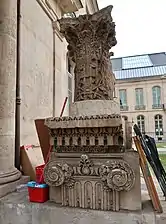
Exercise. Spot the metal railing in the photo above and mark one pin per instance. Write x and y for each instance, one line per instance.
(140, 107)
(124, 108)
(157, 106)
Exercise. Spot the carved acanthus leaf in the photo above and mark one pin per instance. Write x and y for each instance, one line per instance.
(116, 175)
(90, 38)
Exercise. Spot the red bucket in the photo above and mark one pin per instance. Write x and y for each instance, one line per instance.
(38, 192)
(39, 174)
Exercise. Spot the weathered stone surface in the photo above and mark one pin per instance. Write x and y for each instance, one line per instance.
(113, 120)
(93, 107)
(15, 208)
(10, 187)
(132, 199)
(90, 168)
(90, 38)
(36, 68)
(127, 134)
(8, 28)
(97, 181)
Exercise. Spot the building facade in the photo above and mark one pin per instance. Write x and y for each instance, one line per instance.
(46, 70)
(34, 74)
(141, 88)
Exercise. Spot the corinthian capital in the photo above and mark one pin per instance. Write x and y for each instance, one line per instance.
(90, 38)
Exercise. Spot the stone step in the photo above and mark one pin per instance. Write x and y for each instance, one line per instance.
(16, 209)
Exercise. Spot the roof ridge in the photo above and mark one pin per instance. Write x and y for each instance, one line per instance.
(150, 66)
(150, 71)
(137, 55)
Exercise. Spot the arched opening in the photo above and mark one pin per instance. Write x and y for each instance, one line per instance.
(159, 126)
(125, 118)
(141, 123)
(70, 80)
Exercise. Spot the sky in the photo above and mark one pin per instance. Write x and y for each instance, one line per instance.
(140, 26)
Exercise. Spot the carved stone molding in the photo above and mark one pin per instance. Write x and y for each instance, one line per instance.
(85, 165)
(78, 118)
(90, 38)
(90, 149)
(100, 131)
(117, 175)
(98, 121)
(58, 174)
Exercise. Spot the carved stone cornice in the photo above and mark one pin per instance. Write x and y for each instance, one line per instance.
(48, 9)
(90, 38)
(113, 120)
(90, 149)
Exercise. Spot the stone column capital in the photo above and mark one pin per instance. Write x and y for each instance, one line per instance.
(90, 38)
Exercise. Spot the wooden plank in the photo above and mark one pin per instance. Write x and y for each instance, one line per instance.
(147, 176)
(43, 135)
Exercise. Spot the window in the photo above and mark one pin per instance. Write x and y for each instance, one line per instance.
(70, 15)
(125, 118)
(70, 89)
(156, 93)
(141, 123)
(70, 81)
(87, 10)
(123, 99)
(158, 125)
(139, 96)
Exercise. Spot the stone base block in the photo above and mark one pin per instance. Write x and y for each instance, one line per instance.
(109, 181)
(93, 107)
(7, 177)
(10, 187)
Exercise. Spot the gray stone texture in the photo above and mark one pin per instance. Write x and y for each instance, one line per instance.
(90, 37)
(127, 199)
(93, 107)
(16, 209)
(8, 27)
(36, 68)
(10, 187)
(90, 168)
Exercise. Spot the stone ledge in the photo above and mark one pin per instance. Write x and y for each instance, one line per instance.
(10, 187)
(15, 208)
(84, 121)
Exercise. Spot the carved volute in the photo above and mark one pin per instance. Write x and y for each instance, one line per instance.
(90, 38)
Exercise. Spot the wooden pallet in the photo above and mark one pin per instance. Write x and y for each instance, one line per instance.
(147, 176)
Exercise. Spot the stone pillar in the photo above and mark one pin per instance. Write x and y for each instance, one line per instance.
(8, 32)
(90, 38)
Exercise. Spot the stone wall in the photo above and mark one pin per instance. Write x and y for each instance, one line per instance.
(39, 41)
(37, 69)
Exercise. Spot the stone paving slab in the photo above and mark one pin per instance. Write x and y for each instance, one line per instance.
(16, 209)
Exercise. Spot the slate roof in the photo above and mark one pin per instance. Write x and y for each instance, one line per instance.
(139, 66)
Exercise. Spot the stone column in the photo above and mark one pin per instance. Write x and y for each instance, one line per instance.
(8, 32)
(90, 38)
